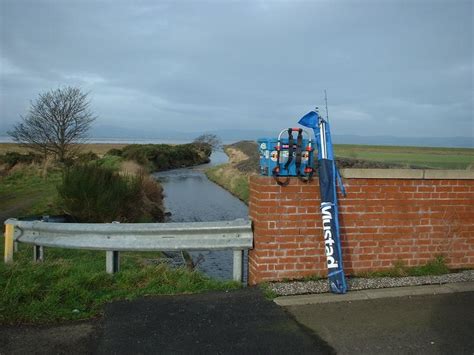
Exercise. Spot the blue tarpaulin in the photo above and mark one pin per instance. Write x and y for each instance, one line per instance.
(328, 178)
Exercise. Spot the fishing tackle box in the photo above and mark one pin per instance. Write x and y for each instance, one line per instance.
(287, 156)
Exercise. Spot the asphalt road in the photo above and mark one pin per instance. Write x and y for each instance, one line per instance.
(430, 324)
(238, 322)
(243, 321)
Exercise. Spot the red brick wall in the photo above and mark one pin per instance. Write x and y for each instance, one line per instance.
(382, 221)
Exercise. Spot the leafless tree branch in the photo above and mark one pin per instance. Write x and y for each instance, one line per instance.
(55, 122)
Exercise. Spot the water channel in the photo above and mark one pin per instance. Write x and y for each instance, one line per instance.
(191, 197)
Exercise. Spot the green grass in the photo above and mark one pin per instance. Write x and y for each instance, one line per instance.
(399, 269)
(73, 284)
(26, 192)
(268, 293)
(111, 162)
(422, 157)
(237, 185)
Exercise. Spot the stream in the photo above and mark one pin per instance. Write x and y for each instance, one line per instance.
(191, 197)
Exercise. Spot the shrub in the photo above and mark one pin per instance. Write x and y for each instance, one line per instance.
(112, 162)
(114, 152)
(93, 193)
(164, 156)
(84, 158)
(152, 198)
(10, 159)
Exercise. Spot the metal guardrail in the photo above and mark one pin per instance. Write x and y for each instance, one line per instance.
(115, 237)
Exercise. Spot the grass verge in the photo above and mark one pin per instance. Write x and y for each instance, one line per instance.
(73, 284)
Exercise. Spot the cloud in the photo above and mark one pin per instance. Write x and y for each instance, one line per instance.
(8, 68)
(245, 64)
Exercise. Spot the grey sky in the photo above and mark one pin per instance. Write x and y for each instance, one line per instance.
(401, 68)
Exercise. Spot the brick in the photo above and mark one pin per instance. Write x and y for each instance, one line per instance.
(382, 221)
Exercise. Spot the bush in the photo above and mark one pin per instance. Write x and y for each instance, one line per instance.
(10, 159)
(84, 158)
(93, 193)
(112, 162)
(114, 152)
(164, 156)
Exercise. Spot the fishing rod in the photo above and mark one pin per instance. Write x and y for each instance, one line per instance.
(328, 182)
(326, 100)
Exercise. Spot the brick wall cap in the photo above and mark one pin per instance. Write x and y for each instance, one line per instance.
(449, 174)
(406, 174)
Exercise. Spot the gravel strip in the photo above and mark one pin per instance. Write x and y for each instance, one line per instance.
(321, 286)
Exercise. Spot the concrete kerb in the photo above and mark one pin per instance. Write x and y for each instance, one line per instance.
(286, 301)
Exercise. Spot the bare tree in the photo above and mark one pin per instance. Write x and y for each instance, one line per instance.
(56, 121)
(210, 140)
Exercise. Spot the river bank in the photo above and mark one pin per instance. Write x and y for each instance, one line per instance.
(72, 284)
(233, 175)
(28, 182)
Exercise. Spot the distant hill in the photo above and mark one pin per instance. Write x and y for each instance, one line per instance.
(235, 135)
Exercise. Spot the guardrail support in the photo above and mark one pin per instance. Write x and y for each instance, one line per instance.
(9, 233)
(112, 263)
(237, 267)
(38, 253)
(113, 238)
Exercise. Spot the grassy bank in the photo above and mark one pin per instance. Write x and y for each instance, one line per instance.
(233, 176)
(73, 285)
(230, 179)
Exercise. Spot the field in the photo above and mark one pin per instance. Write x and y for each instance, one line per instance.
(416, 157)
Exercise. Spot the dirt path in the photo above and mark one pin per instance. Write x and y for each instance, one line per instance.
(15, 207)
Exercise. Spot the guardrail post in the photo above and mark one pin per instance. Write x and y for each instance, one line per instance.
(112, 263)
(9, 236)
(237, 267)
(38, 253)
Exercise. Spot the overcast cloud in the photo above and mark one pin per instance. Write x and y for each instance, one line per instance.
(402, 68)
